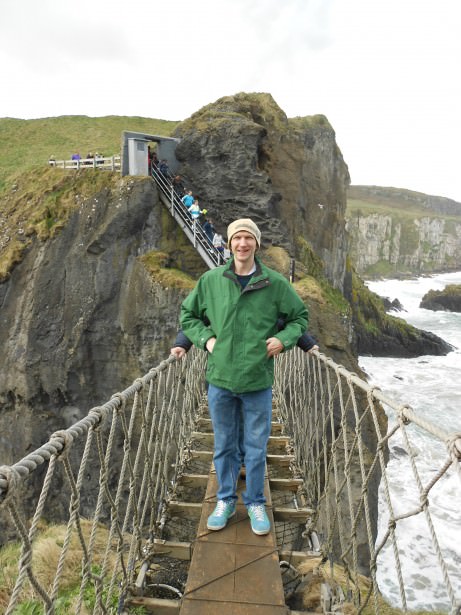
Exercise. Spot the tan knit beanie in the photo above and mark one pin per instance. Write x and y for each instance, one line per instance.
(244, 224)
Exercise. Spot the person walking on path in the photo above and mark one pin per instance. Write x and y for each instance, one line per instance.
(178, 186)
(188, 199)
(208, 227)
(242, 301)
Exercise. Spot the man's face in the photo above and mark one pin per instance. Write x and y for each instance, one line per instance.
(243, 246)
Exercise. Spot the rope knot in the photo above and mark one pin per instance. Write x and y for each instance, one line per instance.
(68, 440)
(9, 479)
(401, 414)
(453, 443)
(139, 382)
(423, 500)
(371, 393)
(119, 399)
(100, 414)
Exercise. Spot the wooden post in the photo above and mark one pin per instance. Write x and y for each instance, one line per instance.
(292, 270)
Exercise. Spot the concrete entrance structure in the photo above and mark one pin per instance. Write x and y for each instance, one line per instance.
(134, 148)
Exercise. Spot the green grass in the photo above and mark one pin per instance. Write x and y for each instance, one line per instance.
(46, 553)
(397, 209)
(36, 199)
(38, 202)
(155, 262)
(380, 269)
(28, 144)
(359, 208)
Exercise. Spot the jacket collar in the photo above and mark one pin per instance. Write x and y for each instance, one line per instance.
(230, 266)
(260, 275)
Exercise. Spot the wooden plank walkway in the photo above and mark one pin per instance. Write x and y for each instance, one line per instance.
(233, 571)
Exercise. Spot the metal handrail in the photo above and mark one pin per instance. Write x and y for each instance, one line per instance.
(180, 213)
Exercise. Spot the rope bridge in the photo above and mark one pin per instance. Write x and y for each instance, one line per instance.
(144, 442)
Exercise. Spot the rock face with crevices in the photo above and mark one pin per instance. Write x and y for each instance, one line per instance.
(244, 158)
(400, 233)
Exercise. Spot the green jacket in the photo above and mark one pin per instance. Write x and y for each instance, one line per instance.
(241, 321)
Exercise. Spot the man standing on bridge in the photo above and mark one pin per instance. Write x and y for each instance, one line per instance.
(242, 301)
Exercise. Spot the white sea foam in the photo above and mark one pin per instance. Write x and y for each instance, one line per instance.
(431, 386)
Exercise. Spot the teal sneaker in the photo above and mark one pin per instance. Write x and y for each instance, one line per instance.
(260, 523)
(225, 509)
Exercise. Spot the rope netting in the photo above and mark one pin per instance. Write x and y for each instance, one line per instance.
(139, 444)
(342, 430)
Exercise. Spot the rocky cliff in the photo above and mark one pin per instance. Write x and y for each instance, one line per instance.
(82, 316)
(68, 329)
(244, 158)
(397, 232)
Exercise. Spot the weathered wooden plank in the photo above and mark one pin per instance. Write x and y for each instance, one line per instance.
(280, 460)
(276, 460)
(276, 427)
(184, 509)
(202, 455)
(194, 480)
(203, 437)
(293, 515)
(275, 442)
(155, 605)
(206, 607)
(206, 425)
(178, 550)
(279, 441)
(285, 484)
(298, 557)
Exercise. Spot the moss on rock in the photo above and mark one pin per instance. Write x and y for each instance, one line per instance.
(448, 299)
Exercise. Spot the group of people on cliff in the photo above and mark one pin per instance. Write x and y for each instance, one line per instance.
(156, 165)
(199, 216)
(88, 161)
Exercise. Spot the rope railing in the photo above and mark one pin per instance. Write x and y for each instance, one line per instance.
(341, 440)
(136, 447)
(137, 443)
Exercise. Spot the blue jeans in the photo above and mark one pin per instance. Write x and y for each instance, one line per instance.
(227, 410)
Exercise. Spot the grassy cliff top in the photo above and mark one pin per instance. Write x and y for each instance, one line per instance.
(27, 144)
(368, 200)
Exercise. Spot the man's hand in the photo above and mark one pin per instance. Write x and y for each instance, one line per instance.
(210, 344)
(312, 349)
(178, 352)
(274, 346)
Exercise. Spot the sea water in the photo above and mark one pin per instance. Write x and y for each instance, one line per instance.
(431, 386)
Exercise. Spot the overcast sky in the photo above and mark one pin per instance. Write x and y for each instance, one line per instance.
(386, 73)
